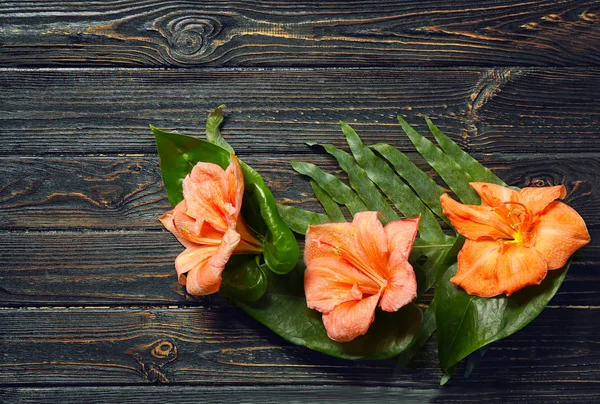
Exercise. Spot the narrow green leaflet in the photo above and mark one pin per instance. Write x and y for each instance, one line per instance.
(403, 198)
(471, 166)
(334, 213)
(426, 189)
(362, 185)
(466, 323)
(213, 132)
(450, 171)
(339, 192)
(180, 153)
(283, 310)
(299, 219)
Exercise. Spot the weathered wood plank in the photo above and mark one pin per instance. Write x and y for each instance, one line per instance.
(107, 111)
(296, 394)
(305, 33)
(207, 346)
(116, 268)
(127, 192)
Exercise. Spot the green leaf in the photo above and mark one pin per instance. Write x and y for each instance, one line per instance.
(466, 323)
(440, 256)
(425, 188)
(362, 185)
(425, 332)
(180, 153)
(471, 166)
(299, 219)
(339, 192)
(334, 213)
(283, 310)
(452, 173)
(243, 279)
(213, 133)
(403, 198)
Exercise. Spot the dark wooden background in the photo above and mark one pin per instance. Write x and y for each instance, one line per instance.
(89, 304)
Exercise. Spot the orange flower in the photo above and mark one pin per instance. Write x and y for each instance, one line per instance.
(513, 237)
(208, 223)
(353, 267)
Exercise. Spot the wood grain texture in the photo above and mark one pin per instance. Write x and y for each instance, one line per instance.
(107, 111)
(116, 267)
(303, 33)
(222, 346)
(493, 394)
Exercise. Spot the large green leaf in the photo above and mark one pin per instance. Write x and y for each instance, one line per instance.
(283, 310)
(180, 153)
(466, 323)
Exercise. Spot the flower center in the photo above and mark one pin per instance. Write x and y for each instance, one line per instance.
(518, 217)
(358, 263)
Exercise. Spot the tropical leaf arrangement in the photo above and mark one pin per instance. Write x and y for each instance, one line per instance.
(339, 300)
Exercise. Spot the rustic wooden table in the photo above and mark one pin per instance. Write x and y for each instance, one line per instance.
(90, 307)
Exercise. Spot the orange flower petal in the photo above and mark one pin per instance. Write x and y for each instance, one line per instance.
(519, 267)
(167, 221)
(329, 282)
(401, 235)
(195, 231)
(206, 192)
(477, 263)
(370, 241)
(492, 194)
(538, 198)
(234, 185)
(475, 222)
(205, 276)
(350, 319)
(402, 283)
(192, 258)
(559, 233)
(323, 240)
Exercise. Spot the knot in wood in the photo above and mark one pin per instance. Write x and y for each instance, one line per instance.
(163, 349)
(190, 38)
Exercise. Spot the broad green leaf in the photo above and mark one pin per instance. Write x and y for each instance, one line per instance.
(440, 256)
(425, 332)
(283, 310)
(362, 185)
(299, 219)
(473, 167)
(466, 323)
(452, 173)
(213, 133)
(180, 153)
(334, 213)
(401, 196)
(339, 192)
(243, 278)
(426, 189)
